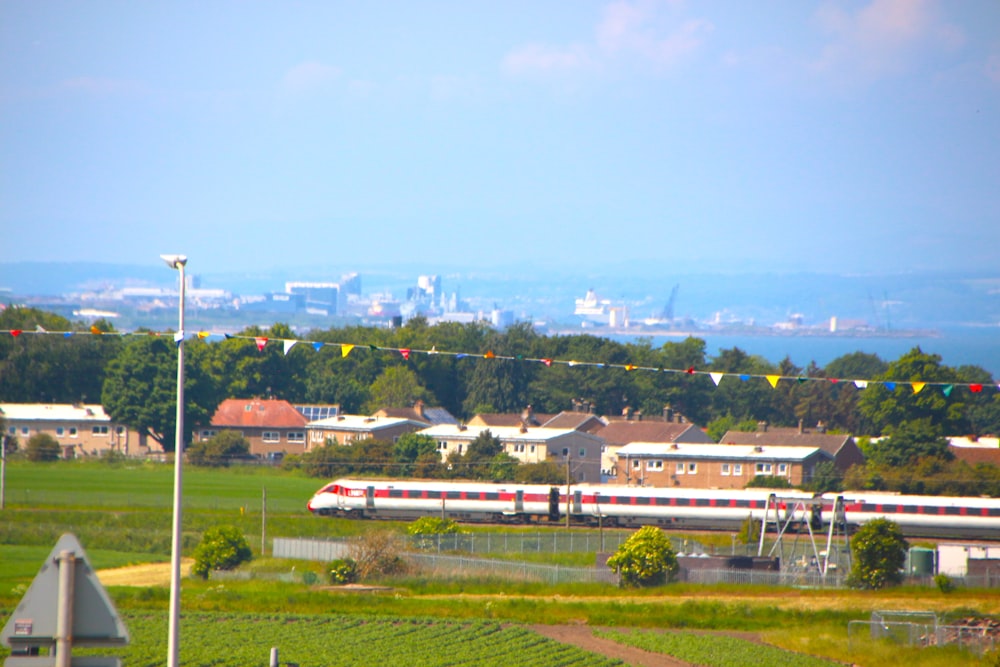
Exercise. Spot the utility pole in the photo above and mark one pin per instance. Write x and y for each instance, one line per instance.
(263, 522)
(568, 482)
(3, 470)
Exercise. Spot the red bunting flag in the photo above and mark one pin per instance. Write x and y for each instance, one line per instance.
(489, 354)
(630, 367)
(15, 332)
(405, 352)
(547, 362)
(94, 330)
(975, 388)
(261, 342)
(690, 370)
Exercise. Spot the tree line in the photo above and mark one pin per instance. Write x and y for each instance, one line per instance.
(134, 378)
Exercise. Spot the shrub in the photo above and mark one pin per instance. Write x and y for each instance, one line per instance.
(219, 450)
(221, 548)
(645, 559)
(432, 525)
(944, 583)
(879, 552)
(43, 447)
(343, 571)
(377, 553)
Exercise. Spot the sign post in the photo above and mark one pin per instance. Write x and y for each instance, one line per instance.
(65, 606)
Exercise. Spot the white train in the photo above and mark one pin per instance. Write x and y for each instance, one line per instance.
(700, 509)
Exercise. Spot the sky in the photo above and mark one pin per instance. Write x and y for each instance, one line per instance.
(841, 136)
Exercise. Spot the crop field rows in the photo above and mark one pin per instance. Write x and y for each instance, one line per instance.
(239, 640)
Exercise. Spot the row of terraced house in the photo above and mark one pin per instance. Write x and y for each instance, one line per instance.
(631, 450)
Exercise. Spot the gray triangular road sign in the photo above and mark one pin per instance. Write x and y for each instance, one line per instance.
(95, 620)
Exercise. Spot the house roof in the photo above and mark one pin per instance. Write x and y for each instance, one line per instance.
(362, 423)
(257, 413)
(828, 442)
(976, 455)
(727, 452)
(421, 414)
(578, 421)
(53, 412)
(508, 419)
(503, 433)
(623, 432)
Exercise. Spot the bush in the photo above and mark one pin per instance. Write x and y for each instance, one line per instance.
(645, 559)
(221, 548)
(377, 553)
(879, 552)
(343, 571)
(432, 525)
(944, 583)
(43, 447)
(219, 450)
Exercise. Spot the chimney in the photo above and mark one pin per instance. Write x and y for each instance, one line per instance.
(801, 430)
(668, 413)
(528, 415)
(418, 408)
(762, 426)
(821, 426)
(638, 415)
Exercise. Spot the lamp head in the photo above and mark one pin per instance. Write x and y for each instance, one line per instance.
(174, 261)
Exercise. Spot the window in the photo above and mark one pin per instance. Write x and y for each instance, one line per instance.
(459, 448)
(207, 434)
(679, 469)
(737, 468)
(297, 436)
(519, 447)
(120, 430)
(25, 430)
(692, 468)
(12, 430)
(270, 436)
(654, 464)
(442, 445)
(532, 449)
(636, 464)
(565, 451)
(764, 469)
(782, 468)
(583, 453)
(72, 431)
(98, 430)
(316, 436)
(60, 430)
(725, 469)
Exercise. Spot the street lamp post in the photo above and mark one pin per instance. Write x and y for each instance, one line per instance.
(173, 633)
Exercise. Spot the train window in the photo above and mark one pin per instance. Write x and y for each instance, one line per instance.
(434, 495)
(453, 495)
(953, 511)
(491, 495)
(642, 500)
(396, 493)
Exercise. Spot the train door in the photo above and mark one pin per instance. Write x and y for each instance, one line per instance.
(577, 502)
(370, 498)
(519, 501)
(553, 504)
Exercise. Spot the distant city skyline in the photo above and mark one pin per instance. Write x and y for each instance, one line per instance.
(839, 136)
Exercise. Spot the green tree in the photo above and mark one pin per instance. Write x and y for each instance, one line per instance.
(433, 525)
(411, 447)
(221, 548)
(43, 447)
(219, 450)
(646, 558)
(826, 477)
(396, 387)
(769, 482)
(140, 388)
(908, 443)
(878, 552)
(543, 472)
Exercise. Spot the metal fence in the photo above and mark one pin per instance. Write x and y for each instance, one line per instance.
(763, 578)
(461, 566)
(922, 634)
(304, 549)
(534, 542)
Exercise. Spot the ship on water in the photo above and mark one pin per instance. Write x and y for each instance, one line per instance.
(595, 311)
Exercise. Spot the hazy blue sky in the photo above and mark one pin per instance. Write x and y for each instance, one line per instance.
(838, 136)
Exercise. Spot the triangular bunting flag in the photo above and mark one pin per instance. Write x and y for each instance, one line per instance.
(975, 388)
(947, 389)
(433, 350)
(773, 380)
(861, 384)
(317, 346)
(489, 354)
(289, 344)
(67, 334)
(716, 378)
(406, 353)
(918, 387)
(203, 335)
(261, 342)
(547, 362)
(891, 386)
(15, 332)
(373, 348)
(690, 370)
(94, 330)
(461, 355)
(744, 377)
(572, 363)
(227, 336)
(800, 379)
(178, 337)
(345, 350)
(630, 367)
(834, 380)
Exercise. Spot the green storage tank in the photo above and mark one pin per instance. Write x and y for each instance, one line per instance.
(921, 562)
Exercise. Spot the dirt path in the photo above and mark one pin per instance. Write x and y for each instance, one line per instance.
(583, 637)
(148, 574)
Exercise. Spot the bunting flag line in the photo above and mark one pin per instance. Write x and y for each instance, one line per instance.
(915, 385)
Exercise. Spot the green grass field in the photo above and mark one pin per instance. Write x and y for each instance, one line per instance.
(122, 516)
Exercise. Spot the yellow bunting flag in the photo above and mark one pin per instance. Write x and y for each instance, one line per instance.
(345, 350)
(917, 386)
(94, 330)
(203, 335)
(773, 379)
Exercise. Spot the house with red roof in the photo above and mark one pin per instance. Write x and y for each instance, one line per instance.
(271, 426)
